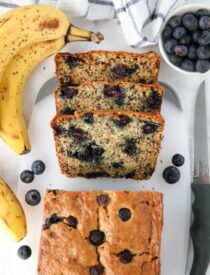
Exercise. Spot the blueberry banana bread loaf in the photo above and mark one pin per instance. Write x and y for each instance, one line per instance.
(74, 69)
(108, 144)
(92, 96)
(96, 233)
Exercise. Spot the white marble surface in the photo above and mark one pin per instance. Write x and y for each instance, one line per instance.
(186, 87)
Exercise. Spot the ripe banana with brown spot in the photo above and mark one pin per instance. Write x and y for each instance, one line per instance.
(29, 34)
(12, 217)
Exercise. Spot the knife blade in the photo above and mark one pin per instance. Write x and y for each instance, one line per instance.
(200, 228)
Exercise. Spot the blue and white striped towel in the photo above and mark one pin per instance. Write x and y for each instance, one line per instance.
(141, 20)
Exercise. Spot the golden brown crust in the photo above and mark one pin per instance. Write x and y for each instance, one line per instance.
(114, 114)
(154, 71)
(66, 250)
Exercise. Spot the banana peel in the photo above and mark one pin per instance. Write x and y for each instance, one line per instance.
(12, 217)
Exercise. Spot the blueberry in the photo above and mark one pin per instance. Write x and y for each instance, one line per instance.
(24, 252)
(181, 50)
(204, 22)
(149, 128)
(176, 60)
(38, 167)
(130, 175)
(130, 147)
(27, 176)
(178, 160)
(33, 197)
(52, 220)
(125, 256)
(88, 118)
(154, 101)
(185, 40)
(78, 134)
(203, 52)
(117, 165)
(190, 22)
(96, 237)
(121, 70)
(67, 92)
(195, 36)
(122, 121)
(179, 32)
(67, 111)
(167, 32)
(188, 65)
(58, 129)
(192, 52)
(202, 12)
(73, 61)
(103, 199)
(202, 66)
(171, 174)
(72, 221)
(116, 92)
(175, 21)
(90, 153)
(169, 45)
(96, 270)
(204, 38)
(124, 214)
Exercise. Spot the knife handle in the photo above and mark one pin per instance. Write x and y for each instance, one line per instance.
(200, 229)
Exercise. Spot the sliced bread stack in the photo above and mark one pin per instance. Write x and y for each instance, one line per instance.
(108, 121)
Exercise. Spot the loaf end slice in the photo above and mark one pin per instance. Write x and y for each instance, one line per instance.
(92, 96)
(116, 144)
(71, 220)
(111, 66)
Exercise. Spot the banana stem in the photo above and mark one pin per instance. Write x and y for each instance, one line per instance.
(77, 34)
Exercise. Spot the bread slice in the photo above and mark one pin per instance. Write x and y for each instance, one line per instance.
(74, 69)
(112, 144)
(92, 96)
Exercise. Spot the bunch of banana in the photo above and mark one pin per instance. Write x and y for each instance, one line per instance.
(29, 34)
(12, 217)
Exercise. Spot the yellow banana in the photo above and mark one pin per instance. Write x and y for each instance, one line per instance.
(12, 217)
(13, 129)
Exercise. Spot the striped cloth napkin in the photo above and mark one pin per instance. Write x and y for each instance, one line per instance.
(141, 20)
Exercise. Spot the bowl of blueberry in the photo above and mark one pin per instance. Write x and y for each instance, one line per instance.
(185, 39)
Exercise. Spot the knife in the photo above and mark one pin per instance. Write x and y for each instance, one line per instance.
(200, 228)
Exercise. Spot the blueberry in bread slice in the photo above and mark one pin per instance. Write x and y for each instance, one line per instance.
(101, 232)
(112, 144)
(111, 66)
(92, 96)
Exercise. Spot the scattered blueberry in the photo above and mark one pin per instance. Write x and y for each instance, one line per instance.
(203, 52)
(176, 60)
(103, 199)
(122, 121)
(72, 221)
(58, 129)
(178, 160)
(167, 32)
(185, 40)
(88, 118)
(24, 252)
(116, 92)
(121, 70)
(190, 22)
(171, 174)
(202, 66)
(54, 218)
(38, 167)
(78, 134)
(154, 101)
(96, 237)
(188, 65)
(169, 45)
(68, 92)
(90, 153)
(73, 61)
(175, 21)
(179, 32)
(27, 176)
(181, 50)
(124, 214)
(117, 165)
(192, 52)
(96, 270)
(204, 38)
(67, 111)
(125, 256)
(204, 22)
(33, 197)
(130, 175)
(130, 147)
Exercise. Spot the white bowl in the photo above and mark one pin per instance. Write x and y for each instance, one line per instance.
(181, 10)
